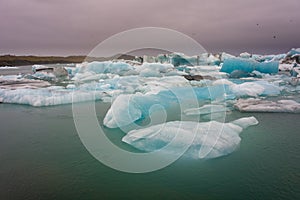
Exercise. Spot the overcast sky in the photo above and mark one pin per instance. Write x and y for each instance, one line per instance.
(72, 27)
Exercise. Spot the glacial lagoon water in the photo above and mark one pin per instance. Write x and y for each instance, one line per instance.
(42, 157)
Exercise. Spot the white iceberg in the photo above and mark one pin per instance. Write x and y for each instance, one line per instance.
(14, 82)
(120, 68)
(207, 109)
(123, 112)
(258, 105)
(8, 67)
(49, 96)
(209, 139)
(56, 73)
(256, 88)
(225, 56)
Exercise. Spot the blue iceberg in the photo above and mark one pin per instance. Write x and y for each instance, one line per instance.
(249, 65)
(127, 109)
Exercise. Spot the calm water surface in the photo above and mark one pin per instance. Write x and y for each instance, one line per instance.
(42, 157)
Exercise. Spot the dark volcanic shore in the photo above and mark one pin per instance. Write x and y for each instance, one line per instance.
(12, 60)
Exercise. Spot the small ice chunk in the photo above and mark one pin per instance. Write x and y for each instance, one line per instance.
(245, 55)
(178, 59)
(222, 82)
(286, 67)
(9, 67)
(57, 73)
(46, 76)
(225, 56)
(206, 109)
(35, 68)
(245, 122)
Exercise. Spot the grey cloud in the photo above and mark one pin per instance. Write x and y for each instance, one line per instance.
(75, 26)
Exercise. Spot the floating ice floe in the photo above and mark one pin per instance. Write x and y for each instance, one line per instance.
(154, 69)
(49, 96)
(254, 89)
(245, 55)
(206, 140)
(138, 106)
(258, 105)
(14, 82)
(8, 67)
(263, 58)
(248, 65)
(52, 74)
(225, 56)
(207, 109)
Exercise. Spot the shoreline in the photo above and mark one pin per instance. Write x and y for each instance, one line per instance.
(13, 60)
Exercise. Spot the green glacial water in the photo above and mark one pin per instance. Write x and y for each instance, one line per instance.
(42, 157)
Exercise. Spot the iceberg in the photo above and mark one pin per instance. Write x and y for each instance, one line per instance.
(122, 114)
(163, 58)
(109, 79)
(295, 72)
(239, 74)
(36, 68)
(249, 65)
(208, 59)
(293, 52)
(41, 72)
(14, 82)
(258, 105)
(154, 69)
(46, 76)
(178, 59)
(209, 139)
(286, 67)
(54, 95)
(207, 109)
(245, 55)
(225, 56)
(263, 58)
(254, 89)
(120, 68)
(8, 67)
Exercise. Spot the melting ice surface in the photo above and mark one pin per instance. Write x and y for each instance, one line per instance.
(208, 86)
